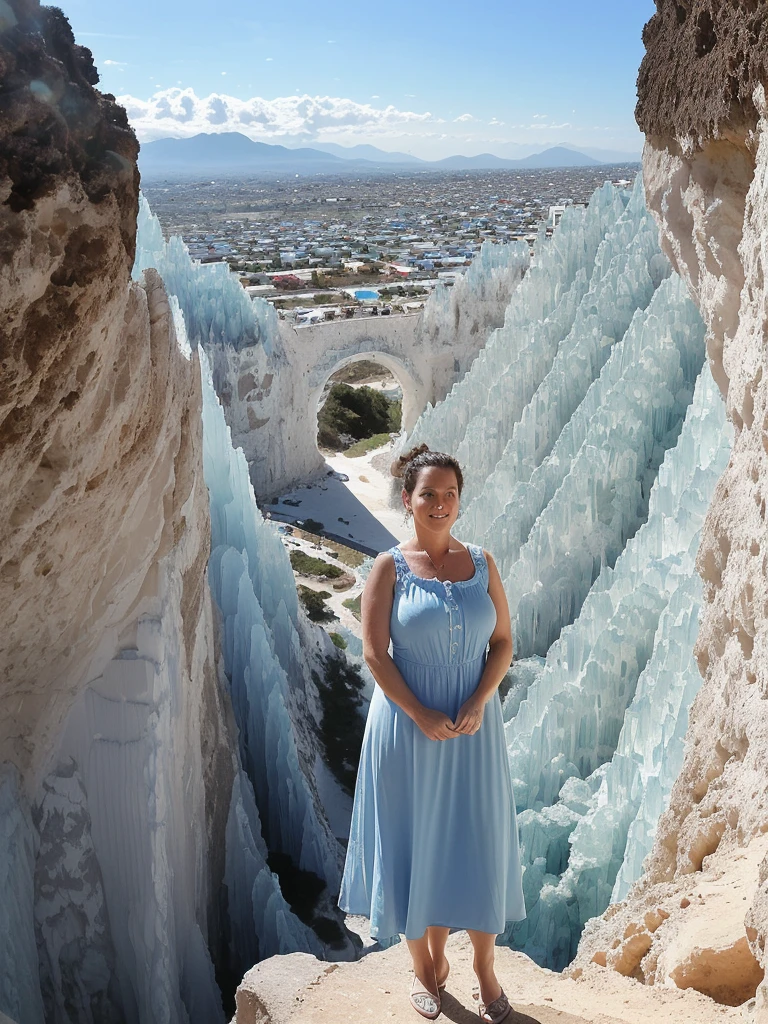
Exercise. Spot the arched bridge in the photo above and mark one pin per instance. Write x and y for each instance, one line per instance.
(271, 398)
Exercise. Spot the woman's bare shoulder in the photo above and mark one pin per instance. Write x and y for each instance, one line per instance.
(383, 569)
(493, 571)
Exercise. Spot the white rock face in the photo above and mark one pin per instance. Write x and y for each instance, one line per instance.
(109, 653)
(712, 204)
(270, 375)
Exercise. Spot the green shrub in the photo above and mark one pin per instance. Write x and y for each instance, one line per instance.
(342, 725)
(357, 412)
(314, 603)
(338, 640)
(353, 604)
(309, 566)
(395, 415)
(368, 445)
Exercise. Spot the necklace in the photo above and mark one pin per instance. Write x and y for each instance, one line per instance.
(437, 568)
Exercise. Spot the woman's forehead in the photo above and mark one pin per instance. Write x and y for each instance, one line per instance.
(436, 476)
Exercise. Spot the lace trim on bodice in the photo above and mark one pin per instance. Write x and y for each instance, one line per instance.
(481, 569)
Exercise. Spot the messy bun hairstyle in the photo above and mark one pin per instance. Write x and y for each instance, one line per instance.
(420, 457)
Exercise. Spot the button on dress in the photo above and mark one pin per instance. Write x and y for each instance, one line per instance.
(433, 838)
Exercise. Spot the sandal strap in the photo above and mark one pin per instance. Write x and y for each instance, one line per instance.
(497, 1009)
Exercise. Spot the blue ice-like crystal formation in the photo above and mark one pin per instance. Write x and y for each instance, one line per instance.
(253, 586)
(592, 440)
(597, 741)
(216, 307)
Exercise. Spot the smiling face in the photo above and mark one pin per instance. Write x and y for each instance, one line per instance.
(435, 499)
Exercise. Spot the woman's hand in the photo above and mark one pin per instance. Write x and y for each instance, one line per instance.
(470, 717)
(434, 724)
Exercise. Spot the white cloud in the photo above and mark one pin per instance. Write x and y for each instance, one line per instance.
(494, 122)
(544, 126)
(180, 112)
(115, 64)
(464, 117)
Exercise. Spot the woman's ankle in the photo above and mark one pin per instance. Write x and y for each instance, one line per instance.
(424, 969)
(490, 988)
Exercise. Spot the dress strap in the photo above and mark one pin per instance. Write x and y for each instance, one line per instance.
(401, 566)
(481, 563)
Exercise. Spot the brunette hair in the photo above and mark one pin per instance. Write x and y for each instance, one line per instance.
(420, 457)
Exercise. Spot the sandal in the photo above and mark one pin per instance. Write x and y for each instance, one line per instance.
(423, 1001)
(496, 1011)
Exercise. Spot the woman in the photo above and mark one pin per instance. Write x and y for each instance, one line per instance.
(433, 841)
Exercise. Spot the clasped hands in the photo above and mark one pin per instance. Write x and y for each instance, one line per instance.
(438, 726)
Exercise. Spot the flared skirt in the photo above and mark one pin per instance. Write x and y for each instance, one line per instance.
(433, 839)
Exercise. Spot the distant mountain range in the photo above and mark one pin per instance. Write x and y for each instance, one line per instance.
(227, 153)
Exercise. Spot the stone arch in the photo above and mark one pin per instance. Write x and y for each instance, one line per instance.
(271, 397)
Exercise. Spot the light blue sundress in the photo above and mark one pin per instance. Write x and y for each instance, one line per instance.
(433, 839)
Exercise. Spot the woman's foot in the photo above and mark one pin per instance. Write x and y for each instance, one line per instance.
(423, 1000)
(495, 1012)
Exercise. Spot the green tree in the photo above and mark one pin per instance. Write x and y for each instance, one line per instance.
(357, 412)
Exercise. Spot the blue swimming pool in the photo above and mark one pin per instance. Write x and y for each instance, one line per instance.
(366, 293)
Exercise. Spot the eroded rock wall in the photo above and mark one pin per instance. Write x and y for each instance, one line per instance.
(702, 105)
(116, 760)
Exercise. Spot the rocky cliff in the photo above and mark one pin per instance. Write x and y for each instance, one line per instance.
(115, 764)
(699, 916)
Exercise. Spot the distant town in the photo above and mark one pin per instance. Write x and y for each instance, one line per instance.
(321, 247)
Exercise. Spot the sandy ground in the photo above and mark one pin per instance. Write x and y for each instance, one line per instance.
(373, 488)
(356, 512)
(301, 990)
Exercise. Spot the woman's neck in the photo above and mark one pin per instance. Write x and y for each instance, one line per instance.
(434, 543)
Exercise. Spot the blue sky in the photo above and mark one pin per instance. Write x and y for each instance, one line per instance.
(432, 78)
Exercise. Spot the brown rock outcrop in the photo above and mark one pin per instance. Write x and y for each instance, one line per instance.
(704, 59)
(82, 421)
(299, 989)
(702, 105)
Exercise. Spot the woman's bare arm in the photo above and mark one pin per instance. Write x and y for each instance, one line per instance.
(470, 716)
(376, 609)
